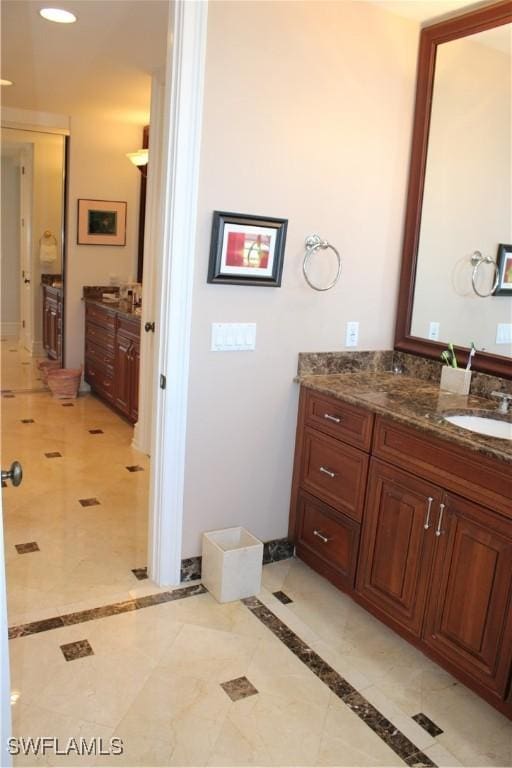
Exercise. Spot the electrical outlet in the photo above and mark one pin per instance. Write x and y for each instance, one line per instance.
(433, 331)
(352, 334)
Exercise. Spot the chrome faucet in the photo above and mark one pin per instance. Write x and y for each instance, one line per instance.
(504, 398)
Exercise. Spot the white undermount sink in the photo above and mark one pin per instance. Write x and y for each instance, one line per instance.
(483, 425)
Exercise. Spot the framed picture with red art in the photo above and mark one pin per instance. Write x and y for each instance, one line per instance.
(504, 265)
(247, 250)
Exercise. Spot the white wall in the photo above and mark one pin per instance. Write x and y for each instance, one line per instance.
(467, 202)
(98, 170)
(10, 249)
(308, 114)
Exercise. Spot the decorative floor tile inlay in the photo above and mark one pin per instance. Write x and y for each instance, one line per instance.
(190, 569)
(277, 549)
(10, 396)
(53, 455)
(88, 502)
(79, 617)
(68, 405)
(96, 431)
(239, 688)
(428, 724)
(395, 739)
(77, 650)
(27, 421)
(282, 597)
(135, 468)
(30, 546)
(140, 573)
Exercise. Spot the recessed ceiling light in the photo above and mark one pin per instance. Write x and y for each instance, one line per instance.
(58, 15)
(6, 82)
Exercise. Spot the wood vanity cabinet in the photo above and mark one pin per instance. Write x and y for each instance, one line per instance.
(435, 556)
(112, 344)
(331, 466)
(52, 321)
(439, 567)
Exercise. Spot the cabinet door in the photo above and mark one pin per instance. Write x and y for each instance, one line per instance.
(469, 619)
(397, 545)
(134, 381)
(46, 324)
(122, 384)
(53, 330)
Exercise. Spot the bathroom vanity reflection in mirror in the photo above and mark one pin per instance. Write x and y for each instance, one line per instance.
(33, 208)
(460, 190)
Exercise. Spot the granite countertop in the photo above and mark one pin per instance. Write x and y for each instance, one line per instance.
(120, 307)
(414, 402)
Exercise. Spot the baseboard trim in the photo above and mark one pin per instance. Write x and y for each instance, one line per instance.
(10, 330)
(37, 349)
(273, 551)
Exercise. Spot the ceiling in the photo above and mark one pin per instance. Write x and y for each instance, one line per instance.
(101, 64)
(427, 10)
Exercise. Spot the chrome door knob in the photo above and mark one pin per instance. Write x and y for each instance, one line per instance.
(14, 474)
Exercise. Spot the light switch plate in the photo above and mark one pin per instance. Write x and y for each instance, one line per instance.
(504, 333)
(233, 337)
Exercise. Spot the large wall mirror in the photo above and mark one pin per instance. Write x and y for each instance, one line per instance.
(32, 253)
(460, 192)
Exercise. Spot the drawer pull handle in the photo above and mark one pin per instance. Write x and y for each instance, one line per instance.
(336, 419)
(321, 536)
(327, 472)
(427, 518)
(439, 531)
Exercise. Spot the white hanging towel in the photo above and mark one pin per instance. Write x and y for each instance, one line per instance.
(48, 248)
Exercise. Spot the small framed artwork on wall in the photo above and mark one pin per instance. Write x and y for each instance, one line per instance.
(101, 222)
(504, 264)
(247, 250)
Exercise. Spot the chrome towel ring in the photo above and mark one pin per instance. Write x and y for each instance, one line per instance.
(477, 259)
(313, 243)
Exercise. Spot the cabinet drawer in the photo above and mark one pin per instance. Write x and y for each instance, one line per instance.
(468, 473)
(98, 356)
(334, 472)
(128, 327)
(100, 380)
(341, 420)
(97, 335)
(328, 536)
(101, 316)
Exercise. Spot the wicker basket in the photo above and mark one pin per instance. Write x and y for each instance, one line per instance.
(64, 382)
(45, 366)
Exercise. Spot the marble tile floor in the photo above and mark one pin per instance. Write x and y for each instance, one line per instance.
(77, 525)
(192, 682)
(153, 676)
(18, 368)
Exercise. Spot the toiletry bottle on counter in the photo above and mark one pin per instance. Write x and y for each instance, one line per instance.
(129, 300)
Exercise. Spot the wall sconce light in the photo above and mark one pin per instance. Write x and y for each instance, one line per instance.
(140, 159)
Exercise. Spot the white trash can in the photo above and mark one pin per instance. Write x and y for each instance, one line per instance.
(232, 563)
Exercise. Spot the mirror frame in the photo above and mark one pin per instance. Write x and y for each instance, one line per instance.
(460, 26)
